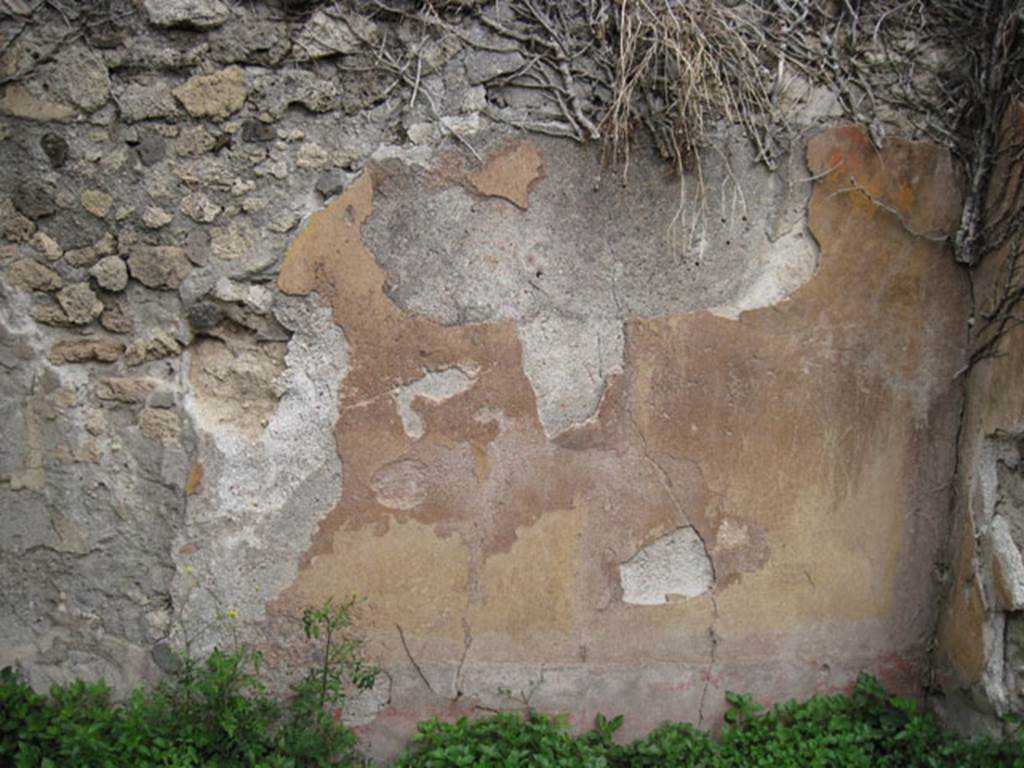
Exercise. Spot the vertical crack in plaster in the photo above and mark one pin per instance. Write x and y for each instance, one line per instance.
(435, 386)
(567, 362)
(467, 643)
(713, 637)
(412, 660)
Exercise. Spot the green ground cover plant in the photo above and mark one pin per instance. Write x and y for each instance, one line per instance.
(217, 713)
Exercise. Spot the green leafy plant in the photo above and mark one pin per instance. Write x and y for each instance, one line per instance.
(215, 713)
(313, 734)
(503, 740)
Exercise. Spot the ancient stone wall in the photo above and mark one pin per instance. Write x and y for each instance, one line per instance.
(980, 664)
(274, 329)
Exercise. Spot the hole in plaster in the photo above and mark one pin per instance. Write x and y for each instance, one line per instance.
(676, 565)
(233, 374)
(435, 387)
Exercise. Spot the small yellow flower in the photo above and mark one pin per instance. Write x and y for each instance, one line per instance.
(188, 569)
(232, 614)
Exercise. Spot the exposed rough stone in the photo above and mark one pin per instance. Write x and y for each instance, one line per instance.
(312, 155)
(422, 133)
(33, 276)
(86, 350)
(1008, 566)
(200, 14)
(483, 65)
(255, 297)
(145, 99)
(162, 266)
(49, 314)
(78, 75)
(34, 200)
(217, 96)
(251, 41)
(17, 101)
(116, 320)
(154, 217)
(111, 273)
(152, 347)
(194, 141)
(328, 35)
(234, 378)
(14, 226)
(86, 257)
(676, 565)
(124, 390)
(256, 131)
(55, 148)
(160, 424)
(197, 247)
(79, 303)
(162, 398)
(332, 183)
(275, 91)
(46, 246)
(199, 207)
(205, 315)
(151, 150)
(97, 202)
(229, 242)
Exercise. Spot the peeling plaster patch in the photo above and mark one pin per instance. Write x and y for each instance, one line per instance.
(790, 256)
(263, 495)
(568, 362)
(401, 484)
(510, 174)
(233, 376)
(435, 387)
(675, 565)
(589, 251)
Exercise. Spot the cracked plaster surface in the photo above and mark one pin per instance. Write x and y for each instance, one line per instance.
(781, 438)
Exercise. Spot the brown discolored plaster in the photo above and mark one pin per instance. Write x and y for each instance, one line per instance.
(792, 440)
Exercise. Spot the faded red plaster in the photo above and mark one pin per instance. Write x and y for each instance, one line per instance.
(808, 422)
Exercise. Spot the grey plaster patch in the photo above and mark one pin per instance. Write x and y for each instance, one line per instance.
(434, 386)
(591, 252)
(676, 565)
(262, 497)
(567, 362)
(590, 246)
